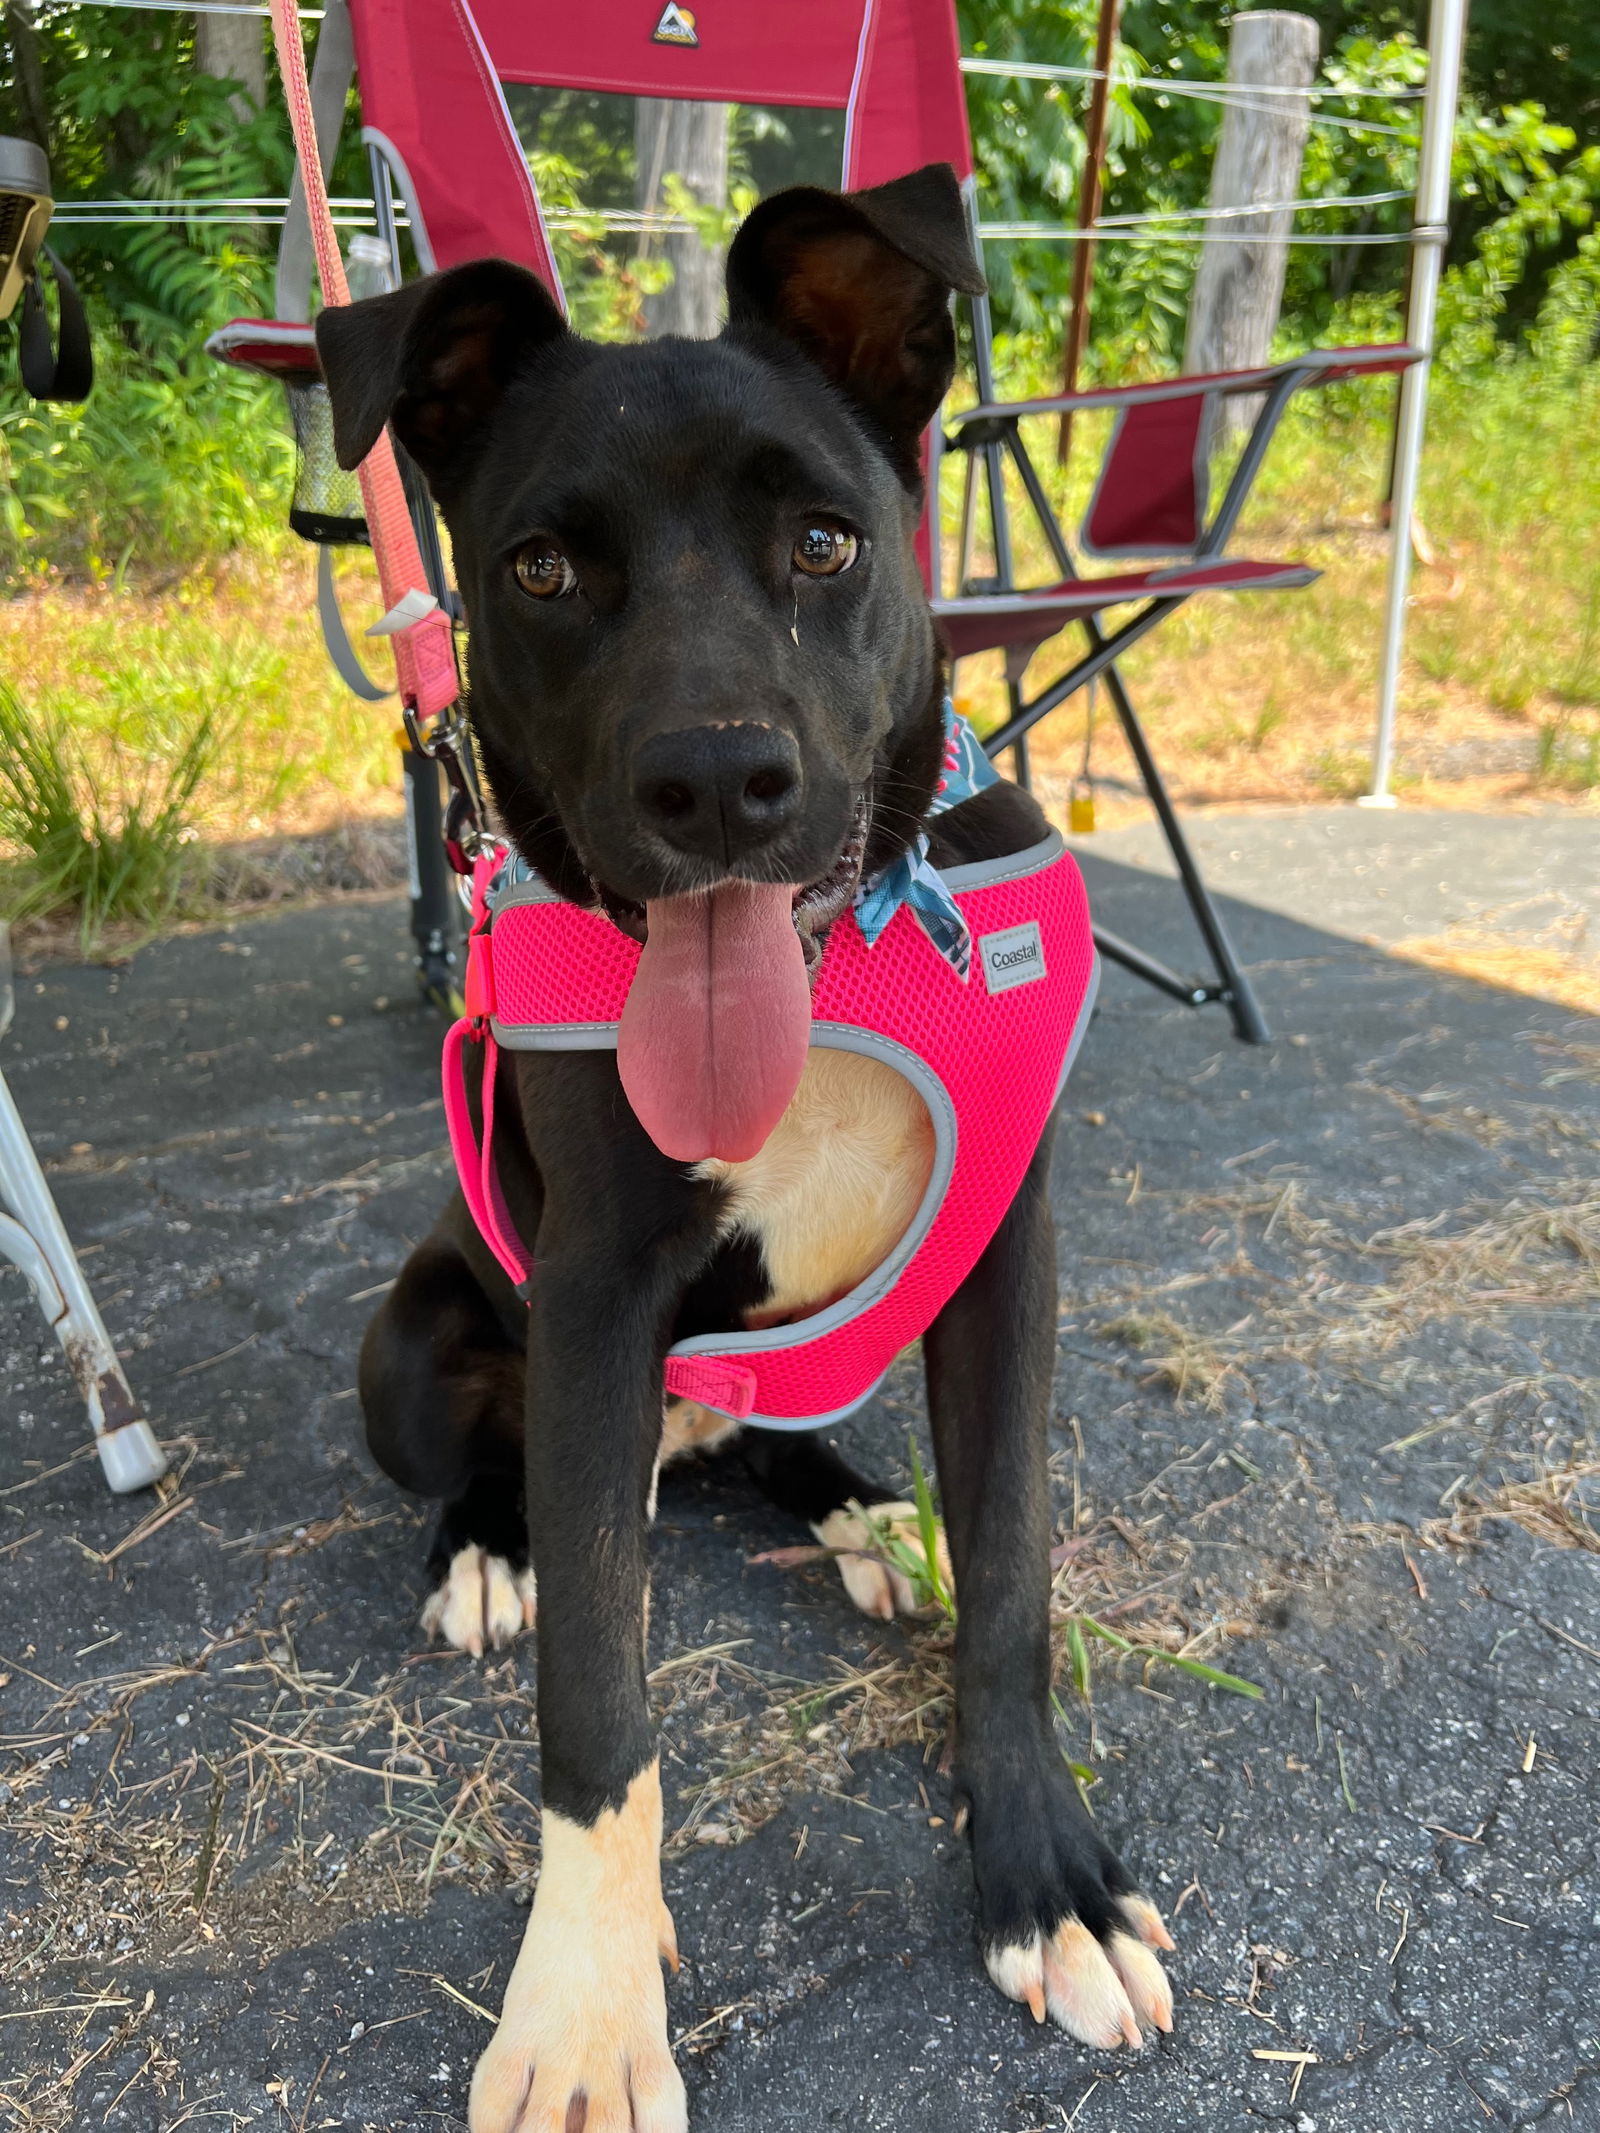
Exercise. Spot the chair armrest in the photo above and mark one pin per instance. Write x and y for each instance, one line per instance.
(1318, 366)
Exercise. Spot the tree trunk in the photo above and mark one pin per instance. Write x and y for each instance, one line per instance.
(692, 141)
(233, 48)
(1239, 288)
(27, 67)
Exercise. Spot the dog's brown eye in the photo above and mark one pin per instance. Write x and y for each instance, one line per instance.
(544, 571)
(824, 549)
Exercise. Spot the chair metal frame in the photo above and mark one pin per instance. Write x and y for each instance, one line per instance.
(989, 435)
(34, 1238)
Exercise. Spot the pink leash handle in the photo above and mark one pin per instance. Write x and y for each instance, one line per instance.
(424, 652)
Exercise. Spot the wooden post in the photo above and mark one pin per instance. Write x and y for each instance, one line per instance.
(1239, 288)
(690, 139)
(1094, 165)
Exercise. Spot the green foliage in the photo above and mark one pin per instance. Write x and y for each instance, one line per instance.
(172, 460)
(107, 846)
(1526, 263)
(175, 459)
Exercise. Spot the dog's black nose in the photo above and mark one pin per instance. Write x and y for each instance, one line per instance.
(722, 791)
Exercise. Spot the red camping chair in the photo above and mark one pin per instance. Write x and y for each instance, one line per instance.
(435, 117)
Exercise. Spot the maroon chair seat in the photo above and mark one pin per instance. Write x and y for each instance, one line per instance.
(983, 622)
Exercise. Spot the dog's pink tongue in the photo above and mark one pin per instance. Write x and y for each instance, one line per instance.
(718, 1018)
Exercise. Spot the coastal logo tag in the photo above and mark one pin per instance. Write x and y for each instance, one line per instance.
(675, 27)
(1014, 957)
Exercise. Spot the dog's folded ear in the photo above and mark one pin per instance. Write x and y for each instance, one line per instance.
(862, 282)
(433, 357)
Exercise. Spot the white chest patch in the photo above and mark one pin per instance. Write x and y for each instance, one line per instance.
(835, 1188)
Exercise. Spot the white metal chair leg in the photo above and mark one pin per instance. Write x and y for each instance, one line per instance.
(33, 1235)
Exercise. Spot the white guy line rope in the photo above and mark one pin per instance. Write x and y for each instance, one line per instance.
(1173, 84)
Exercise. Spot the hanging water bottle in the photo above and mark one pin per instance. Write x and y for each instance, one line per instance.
(369, 267)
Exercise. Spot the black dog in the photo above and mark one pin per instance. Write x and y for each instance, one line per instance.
(701, 651)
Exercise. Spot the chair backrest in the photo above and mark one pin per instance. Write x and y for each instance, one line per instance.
(1151, 495)
(430, 73)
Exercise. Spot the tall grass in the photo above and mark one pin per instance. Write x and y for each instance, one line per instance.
(105, 842)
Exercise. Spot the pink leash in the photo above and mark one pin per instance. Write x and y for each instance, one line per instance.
(424, 652)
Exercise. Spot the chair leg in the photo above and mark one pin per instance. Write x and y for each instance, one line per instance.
(1234, 988)
(34, 1237)
(1021, 766)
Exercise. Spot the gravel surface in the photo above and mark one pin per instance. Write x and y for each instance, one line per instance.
(1329, 1357)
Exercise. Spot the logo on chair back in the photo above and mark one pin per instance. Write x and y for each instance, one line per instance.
(675, 27)
(1014, 957)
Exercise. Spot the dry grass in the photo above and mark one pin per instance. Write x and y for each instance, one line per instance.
(1177, 1356)
(130, 668)
(1254, 700)
(770, 1736)
(1569, 977)
(1557, 1508)
(1359, 1295)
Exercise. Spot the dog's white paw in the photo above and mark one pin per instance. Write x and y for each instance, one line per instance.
(483, 1604)
(1098, 1993)
(876, 1583)
(582, 2040)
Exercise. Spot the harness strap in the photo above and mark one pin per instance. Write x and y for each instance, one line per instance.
(710, 1381)
(424, 652)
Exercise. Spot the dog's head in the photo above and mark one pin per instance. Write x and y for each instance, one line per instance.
(700, 652)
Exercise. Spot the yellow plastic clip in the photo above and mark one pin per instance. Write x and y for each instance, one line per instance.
(1080, 808)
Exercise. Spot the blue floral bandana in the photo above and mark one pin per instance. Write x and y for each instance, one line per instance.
(912, 879)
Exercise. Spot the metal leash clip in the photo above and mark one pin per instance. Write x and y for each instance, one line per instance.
(448, 744)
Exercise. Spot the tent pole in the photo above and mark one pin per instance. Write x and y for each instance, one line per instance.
(1430, 233)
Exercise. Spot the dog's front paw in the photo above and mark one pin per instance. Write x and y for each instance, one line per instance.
(882, 1561)
(582, 2041)
(482, 1604)
(1064, 1931)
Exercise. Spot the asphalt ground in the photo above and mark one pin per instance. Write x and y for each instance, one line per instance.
(1326, 1407)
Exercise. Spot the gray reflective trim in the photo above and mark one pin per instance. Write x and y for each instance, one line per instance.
(794, 1422)
(535, 890)
(554, 1036)
(1080, 1028)
(976, 874)
(1015, 866)
(840, 1037)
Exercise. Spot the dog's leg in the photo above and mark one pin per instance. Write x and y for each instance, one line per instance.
(584, 2015)
(805, 1476)
(1061, 1924)
(442, 1392)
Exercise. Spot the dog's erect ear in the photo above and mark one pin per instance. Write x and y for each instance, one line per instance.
(862, 282)
(433, 357)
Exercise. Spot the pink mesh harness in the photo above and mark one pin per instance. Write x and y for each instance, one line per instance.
(988, 1056)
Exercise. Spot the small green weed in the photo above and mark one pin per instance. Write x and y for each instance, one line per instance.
(1340, 773)
(1567, 754)
(104, 848)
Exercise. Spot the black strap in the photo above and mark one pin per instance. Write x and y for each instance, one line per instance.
(66, 371)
